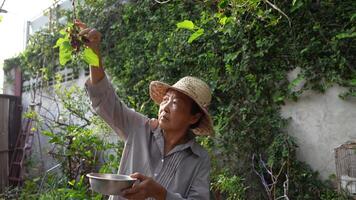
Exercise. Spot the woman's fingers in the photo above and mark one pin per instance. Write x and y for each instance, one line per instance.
(80, 24)
(94, 35)
(138, 176)
(129, 191)
(85, 31)
(90, 36)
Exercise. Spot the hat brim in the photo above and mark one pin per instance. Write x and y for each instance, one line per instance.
(159, 89)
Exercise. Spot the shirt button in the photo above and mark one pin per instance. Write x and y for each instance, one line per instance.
(155, 174)
(162, 160)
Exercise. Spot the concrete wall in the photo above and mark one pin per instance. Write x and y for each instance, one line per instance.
(320, 123)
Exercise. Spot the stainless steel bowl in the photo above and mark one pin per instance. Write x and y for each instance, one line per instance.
(110, 184)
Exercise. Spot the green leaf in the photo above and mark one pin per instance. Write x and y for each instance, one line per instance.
(353, 17)
(295, 82)
(63, 32)
(47, 133)
(55, 140)
(59, 42)
(72, 182)
(65, 52)
(90, 57)
(223, 3)
(345, 35)
(196, 35)
(352, 82)
(296, 5)
(89, 154)
(278, 97)
(111, 157)
(186, 24)
(223, 20)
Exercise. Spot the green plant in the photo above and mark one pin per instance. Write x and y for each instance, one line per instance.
(231, 186)
(245, 52)
(11, 63)
(70, 44)
(55, 188)
(9, 193)
(80, 146)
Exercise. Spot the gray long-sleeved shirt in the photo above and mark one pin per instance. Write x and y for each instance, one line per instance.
(184, 171)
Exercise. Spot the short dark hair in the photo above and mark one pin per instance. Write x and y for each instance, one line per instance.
(195, 109)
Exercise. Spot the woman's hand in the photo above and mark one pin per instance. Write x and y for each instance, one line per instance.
(92, 36)
(146, 188)
(93, 40)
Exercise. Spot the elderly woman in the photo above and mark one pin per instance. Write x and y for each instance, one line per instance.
(165, 157)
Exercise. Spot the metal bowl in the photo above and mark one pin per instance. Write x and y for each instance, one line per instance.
(110, 184)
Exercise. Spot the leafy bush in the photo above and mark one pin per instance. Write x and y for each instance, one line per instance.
(231, 186)
(80, 145)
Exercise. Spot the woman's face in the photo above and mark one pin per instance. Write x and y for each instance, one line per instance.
(175, 112)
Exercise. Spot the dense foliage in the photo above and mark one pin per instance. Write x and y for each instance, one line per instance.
(244, 50)
(81, 143)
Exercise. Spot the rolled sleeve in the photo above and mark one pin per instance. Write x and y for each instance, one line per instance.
(98, 91)
(123, 120)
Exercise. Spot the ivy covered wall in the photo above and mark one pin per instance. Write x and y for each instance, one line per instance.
(244, 50)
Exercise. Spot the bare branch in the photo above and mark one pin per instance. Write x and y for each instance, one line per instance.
(2, 4)
(77, 114)
(49, 112)
(273, 179)
(54, 121)
(162, 2)
(279, 10)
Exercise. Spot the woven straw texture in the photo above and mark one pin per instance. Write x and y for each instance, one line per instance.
(197, 90)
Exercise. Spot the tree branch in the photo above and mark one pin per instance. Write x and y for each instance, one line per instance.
(2, 4)
(280, 11)
(162, 2)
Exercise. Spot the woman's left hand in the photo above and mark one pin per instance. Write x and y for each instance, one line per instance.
(146, 188)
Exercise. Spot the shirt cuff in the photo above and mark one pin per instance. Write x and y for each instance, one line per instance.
(97, 91)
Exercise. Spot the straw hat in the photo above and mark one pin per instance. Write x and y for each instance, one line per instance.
(194, 88)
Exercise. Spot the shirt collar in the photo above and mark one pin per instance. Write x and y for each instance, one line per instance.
(192, 144)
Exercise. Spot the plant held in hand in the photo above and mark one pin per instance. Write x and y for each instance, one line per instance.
(72, 44)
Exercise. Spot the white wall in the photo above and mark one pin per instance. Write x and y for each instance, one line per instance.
(320, 123)
(41, 21)
(40, 142)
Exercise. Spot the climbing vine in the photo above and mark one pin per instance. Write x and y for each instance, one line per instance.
(244, 50)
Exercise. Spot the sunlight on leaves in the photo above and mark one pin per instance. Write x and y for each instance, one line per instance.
(90, 57)
(196, 35)
(186, 24)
